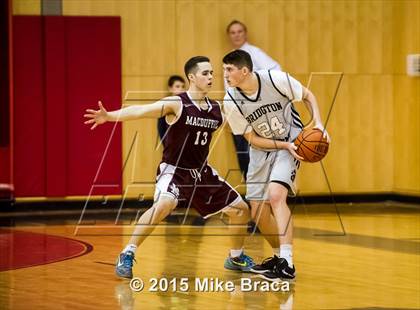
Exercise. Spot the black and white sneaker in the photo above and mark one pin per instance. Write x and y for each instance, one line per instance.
(266, 265)
(281, 271)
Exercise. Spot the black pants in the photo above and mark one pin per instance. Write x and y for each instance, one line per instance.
(242, 152)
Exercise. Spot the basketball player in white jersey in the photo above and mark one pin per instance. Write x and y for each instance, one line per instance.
(262, 102)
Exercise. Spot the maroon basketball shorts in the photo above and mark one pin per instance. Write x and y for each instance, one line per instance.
(202, 189)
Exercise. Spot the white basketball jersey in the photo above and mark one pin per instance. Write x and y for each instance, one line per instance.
(270, 112)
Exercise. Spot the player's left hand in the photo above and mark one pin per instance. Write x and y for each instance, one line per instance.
(96, 117)
(321, 127)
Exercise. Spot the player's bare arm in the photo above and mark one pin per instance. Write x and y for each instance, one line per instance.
(166, 106)
(270, 144)
(312, 105)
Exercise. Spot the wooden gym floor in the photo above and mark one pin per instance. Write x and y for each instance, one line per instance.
(366, 256)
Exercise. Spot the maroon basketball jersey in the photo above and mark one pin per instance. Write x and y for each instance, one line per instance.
(187, 141)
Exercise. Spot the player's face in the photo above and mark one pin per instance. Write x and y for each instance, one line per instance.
(203, 78)
(177, 88)
(233, 75)
(237, 35)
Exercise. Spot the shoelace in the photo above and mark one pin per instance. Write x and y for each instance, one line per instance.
(128, 260)
(267, 261)
(248, 259)
(195, 174)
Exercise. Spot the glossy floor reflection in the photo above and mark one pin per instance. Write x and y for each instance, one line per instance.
(367, 256)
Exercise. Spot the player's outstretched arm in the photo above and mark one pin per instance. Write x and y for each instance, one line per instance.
(312, 105)
(165, 106)
(270, 144)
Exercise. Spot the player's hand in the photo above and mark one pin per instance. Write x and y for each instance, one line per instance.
(96, 117)
(291, 147)
(321, 127)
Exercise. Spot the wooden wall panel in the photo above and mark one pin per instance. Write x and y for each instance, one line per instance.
(26, 7)
(406, 34)
(296, 35)
(407, 134)
(320, 41)
(406, 28)
(345, 37)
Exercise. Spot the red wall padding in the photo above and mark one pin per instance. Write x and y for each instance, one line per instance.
(29, 106)
(62, 66)
(94, 72)
(55, 106)
(5, 87)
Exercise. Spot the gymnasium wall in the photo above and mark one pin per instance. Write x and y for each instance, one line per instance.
(374, 122)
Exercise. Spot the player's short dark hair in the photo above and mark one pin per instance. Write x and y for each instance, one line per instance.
(234, 22)
(173, 78)
(239, 58)
(191, 64)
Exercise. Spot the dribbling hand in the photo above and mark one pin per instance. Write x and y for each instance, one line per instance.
(96, 117)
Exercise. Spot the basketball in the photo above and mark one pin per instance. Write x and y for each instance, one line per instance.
(311, 144)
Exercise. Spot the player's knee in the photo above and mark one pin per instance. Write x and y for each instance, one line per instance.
(278, 195)
(165, 206)
(239, 210)
(278, 201)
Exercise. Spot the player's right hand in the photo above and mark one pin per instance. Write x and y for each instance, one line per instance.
(96, 117)
(291, 147)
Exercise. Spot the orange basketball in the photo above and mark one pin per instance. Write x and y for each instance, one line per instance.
(311, 144)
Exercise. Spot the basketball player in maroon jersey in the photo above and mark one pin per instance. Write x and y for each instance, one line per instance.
(184, 172)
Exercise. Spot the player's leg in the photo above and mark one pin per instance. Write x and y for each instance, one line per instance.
(166, 198)
(281, 185)
(224, 198)
(284, 269)
(239, 216)
(261, 214)
(146, 223)
(144, 227)
(259, 171)
(278, 199)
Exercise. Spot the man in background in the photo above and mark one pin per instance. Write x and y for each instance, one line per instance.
(237, 33)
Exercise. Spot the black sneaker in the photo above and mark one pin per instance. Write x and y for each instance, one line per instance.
(267, 265)
(281, 271)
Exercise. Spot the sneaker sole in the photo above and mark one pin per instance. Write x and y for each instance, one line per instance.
(276, 279)
(123, 276)
(258, 271)
(237, 268)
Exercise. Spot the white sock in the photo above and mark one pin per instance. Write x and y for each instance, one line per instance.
(235, 253)
(276, 251)
(286, 252)
(130, 247)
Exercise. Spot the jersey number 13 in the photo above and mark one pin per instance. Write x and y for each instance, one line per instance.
(203, 139)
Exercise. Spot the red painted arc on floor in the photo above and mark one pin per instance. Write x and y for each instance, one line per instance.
(21, 249)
